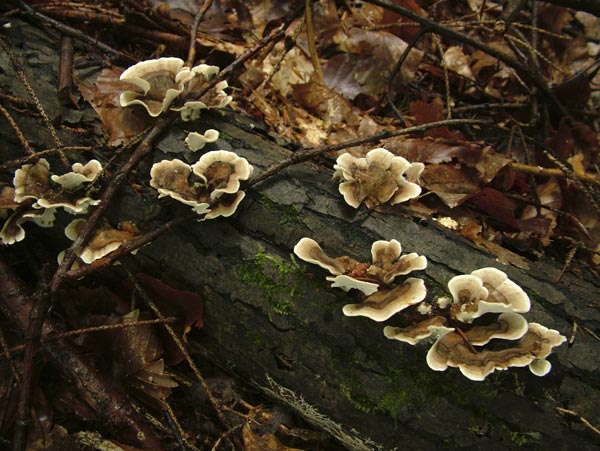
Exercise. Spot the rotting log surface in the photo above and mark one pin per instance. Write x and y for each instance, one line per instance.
(270, 319)
(267, 315)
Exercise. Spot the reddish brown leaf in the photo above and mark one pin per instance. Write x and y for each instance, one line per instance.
(496, 206)
(426, 113)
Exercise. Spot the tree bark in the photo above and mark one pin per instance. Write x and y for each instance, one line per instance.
(274, 321)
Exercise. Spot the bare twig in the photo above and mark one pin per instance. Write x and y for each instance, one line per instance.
(88, 330)
(442, 30)
(150, 303)
(65, 29)
(553, 172)
(194, 31)
(24, 143)
(312, 46)
(578, 417)
(308, 154)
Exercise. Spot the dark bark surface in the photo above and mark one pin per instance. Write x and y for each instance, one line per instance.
(275, 323)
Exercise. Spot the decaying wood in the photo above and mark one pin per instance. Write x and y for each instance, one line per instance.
(275, 323)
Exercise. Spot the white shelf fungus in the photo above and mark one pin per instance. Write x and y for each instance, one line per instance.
(348, 273)
(196, 141)
(383, 304)
(211, 186)
(435, 326)
(161, 81)
(104, 240)
(381, 177)
(486, 290)
(456, 350)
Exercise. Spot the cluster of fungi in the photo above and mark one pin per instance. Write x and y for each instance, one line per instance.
(479, 329)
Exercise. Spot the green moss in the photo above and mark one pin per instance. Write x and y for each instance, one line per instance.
(276, 279)
(358, 402)
(522, 438)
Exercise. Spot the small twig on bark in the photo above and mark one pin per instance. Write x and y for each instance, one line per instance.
(307, 154)
(194, 31)
(578, 417)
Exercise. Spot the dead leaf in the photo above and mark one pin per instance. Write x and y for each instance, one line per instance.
(122, 124)
(138, 361)
(426, 113)
(449, 182)
(365, 64)
(456, 61)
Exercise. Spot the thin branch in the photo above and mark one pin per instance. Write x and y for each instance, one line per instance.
(150, 303)
(88, 330)
(308, 154)
(24, 143)
(554, 172)
(312, 47)
(65, 29)
(435, 27)
(578, 417)
(194, 31)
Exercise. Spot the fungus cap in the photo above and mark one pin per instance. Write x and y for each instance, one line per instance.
(348, 283)
(222, 171)
(503, 294)
(81, 174)
(226, 206)
(389, 263)
(196, 141)
(508, 326)
(383, 304)
(309, 250)
(157, 81)
(452, 350)
(376, 179)
(32, 181)
(171, 178)
(12, 231)
(104, 240)
(436, 326)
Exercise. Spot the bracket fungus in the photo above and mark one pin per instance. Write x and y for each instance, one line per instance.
(68, 191)
(383, 304)
(348, 273)
(486, 290)
(160, 81)
(12, 231)
(459, 351)
(379, 178)
(196, 141)
(211, 186)
(104, 240)
(435, 326)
